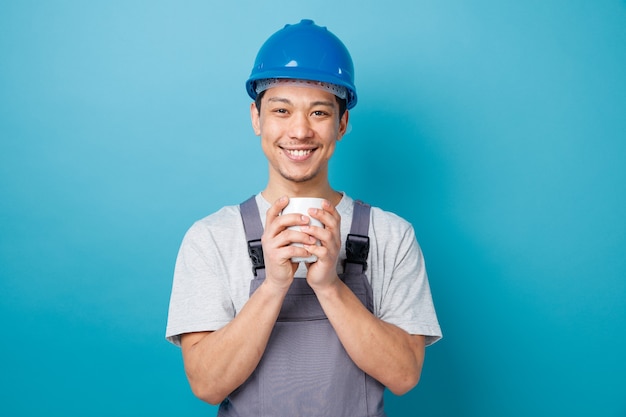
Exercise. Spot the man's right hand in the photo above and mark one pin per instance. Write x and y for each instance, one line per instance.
(276, 241)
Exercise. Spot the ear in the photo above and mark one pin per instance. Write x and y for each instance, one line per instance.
(255, 118)
(343, 124)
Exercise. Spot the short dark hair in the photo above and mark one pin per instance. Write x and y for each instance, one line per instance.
(343, 103)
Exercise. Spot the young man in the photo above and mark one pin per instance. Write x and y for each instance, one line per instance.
(264, 336)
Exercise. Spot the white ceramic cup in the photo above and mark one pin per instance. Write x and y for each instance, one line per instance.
(301, 205)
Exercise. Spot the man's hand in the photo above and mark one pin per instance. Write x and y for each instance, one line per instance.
(323, 273)
(276, 241)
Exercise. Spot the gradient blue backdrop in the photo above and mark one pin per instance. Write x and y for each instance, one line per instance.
(497, 128)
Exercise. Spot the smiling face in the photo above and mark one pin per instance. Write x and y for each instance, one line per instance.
(299, 127)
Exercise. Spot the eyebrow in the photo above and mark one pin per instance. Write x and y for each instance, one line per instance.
(278, 99)
(324, 103)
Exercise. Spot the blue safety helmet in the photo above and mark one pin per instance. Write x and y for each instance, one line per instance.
(304, 51)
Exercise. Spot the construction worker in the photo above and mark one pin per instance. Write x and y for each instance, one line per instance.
(262, 335)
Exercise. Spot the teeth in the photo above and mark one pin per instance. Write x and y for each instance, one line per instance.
(299, 152)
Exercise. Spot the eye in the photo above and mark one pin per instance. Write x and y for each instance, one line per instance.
(320, 113)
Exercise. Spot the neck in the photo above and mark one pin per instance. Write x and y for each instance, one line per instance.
(274, 191)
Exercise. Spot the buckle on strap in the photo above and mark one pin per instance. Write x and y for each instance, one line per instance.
(357, 249)
(255, 250)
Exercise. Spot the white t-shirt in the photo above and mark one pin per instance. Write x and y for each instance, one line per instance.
(213, 273)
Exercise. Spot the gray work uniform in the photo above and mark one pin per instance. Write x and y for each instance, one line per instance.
(305, 370)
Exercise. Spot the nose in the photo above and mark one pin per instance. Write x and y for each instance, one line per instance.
(300, 127)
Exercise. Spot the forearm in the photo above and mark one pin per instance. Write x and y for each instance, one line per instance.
(380, 349)
(218, 362)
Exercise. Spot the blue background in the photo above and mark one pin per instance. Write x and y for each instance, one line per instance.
(497, 128)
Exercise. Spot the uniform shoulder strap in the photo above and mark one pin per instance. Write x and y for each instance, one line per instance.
(254, 230)
(358, 241)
